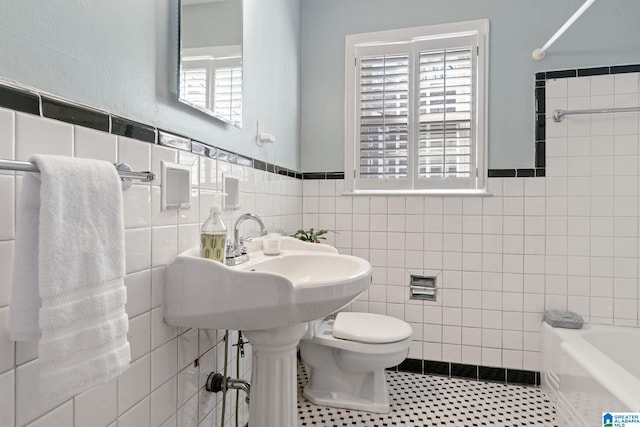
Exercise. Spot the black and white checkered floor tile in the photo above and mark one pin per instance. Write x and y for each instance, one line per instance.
(424, 400)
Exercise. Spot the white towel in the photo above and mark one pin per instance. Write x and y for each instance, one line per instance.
(68, 288)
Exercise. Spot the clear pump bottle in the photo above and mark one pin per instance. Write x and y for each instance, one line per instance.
(213, 237)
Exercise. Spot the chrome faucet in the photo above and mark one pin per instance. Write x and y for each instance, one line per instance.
(236, 251)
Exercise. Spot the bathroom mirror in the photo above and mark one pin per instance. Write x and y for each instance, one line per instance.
(210, 71)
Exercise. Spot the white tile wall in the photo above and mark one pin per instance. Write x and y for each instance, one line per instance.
(567, 241)
(163, 386)
(570, 240)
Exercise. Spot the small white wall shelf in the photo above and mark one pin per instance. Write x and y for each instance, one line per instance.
(231, 191)
(176, 186)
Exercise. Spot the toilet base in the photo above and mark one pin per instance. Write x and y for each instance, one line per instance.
(341, 400)
(361, 392)
(349, 374)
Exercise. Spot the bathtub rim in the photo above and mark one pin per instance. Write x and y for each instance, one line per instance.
(599, 365)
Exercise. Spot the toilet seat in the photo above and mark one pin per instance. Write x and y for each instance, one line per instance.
(325, 336)
(370, 328)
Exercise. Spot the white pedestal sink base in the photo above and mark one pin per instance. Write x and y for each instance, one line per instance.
(274, 397)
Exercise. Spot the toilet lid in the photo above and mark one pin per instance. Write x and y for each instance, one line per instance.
(370, 328)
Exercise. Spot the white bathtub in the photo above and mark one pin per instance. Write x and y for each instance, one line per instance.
(591, 370)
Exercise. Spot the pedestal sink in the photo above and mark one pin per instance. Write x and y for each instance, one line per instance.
(269, 298)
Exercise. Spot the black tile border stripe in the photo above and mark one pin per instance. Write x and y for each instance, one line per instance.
(492, 173)
(411, 365)
(540, 96)
(39, 104)
(125, 127)
(525, 173)
(599, 71)
(433, 367)
(74, 114)
(335, 175)
(19, 100)
(34, 102)
(459, 370)
(314, 175)
(486, 373)
(519, 173)
(620, 69)
(561, 74)
(502, 173)
(516, 376)
(470, 372)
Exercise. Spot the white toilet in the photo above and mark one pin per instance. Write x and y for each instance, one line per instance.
(345, 359)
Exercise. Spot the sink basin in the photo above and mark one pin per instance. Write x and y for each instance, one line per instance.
(307, 281)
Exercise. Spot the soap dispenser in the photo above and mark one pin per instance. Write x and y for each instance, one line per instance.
(213, 237)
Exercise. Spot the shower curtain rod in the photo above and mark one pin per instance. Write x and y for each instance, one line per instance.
(124, 170)
(539, 53)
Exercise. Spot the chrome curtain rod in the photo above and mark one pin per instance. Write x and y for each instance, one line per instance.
(558, 115)
(124, 170)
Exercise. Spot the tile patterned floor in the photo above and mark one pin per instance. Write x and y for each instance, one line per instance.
(423, 400)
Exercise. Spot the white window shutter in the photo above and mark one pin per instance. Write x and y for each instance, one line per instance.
(445, 142)
(384, 117)
(416, 109)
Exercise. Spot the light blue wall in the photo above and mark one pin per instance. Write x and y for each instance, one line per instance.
(120, 56)
(608, 33)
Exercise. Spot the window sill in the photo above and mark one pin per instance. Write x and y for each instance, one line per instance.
(448, 192)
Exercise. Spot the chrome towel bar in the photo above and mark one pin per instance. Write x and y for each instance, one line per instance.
(558, 115)
(124, 170)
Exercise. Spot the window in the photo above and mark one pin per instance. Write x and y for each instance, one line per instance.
(416, 109)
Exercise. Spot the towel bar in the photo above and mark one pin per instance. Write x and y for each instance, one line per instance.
(559, 115)
(124, 170)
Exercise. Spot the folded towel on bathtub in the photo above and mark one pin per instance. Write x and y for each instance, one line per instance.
(68, 288)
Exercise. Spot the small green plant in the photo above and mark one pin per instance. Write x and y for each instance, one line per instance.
(310, 235)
